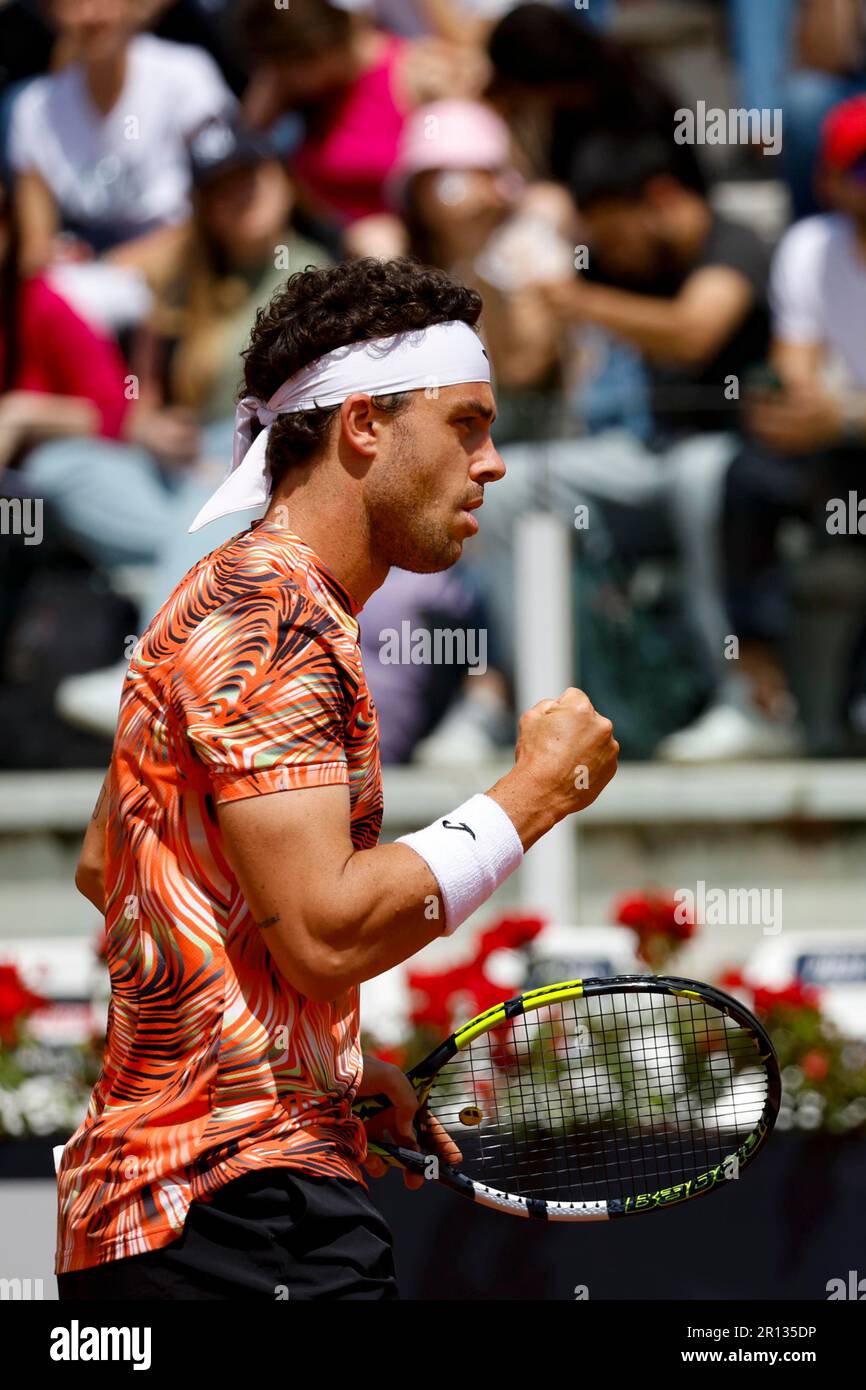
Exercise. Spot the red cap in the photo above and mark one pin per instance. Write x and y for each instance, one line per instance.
(843, 135)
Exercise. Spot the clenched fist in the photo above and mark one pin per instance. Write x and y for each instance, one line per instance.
(565, 756)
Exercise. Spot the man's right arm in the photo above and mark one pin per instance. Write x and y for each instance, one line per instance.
(334, 916)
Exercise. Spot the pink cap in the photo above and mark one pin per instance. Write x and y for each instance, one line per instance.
(449, 135)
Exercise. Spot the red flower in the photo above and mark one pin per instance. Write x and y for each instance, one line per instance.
(509, 934)
(440, 996)
(16, 1003)
(815, 1066)
(464, 991)
(733, 979)
(395, 1055)
(650, 914)
(430, 998)
(792, 996)
(633, 912)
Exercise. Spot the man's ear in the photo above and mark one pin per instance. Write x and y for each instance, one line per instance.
(358, 423)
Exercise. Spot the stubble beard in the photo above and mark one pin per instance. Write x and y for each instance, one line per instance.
(407, 525)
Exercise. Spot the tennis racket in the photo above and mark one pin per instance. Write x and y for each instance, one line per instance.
(594, 1099)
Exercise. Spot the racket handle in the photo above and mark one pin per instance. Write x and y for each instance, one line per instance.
(397, 1157)
(368, 1106)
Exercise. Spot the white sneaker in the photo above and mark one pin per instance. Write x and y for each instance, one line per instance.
(725, 732)
(92, 701)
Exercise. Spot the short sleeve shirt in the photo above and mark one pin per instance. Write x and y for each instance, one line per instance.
(248, 682)
(118, 175)
(818, 293)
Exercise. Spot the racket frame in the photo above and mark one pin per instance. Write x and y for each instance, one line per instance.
(423, 1074)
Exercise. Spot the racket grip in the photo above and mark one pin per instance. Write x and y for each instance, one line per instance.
(397, 1157)
(368, 1106)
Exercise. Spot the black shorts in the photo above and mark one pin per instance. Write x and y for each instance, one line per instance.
(275, 1234)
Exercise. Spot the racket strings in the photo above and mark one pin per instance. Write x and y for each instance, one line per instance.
(603, 1097)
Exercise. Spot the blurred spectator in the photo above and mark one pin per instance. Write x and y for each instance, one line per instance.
(558, 81)
(830, 65)
(810, 425)
(99, 146)
(354, 85)
(687, 288)
(466, 210)
(239, 248)
(683, 284)
(57, 377)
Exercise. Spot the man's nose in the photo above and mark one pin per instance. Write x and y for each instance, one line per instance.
(490, 466)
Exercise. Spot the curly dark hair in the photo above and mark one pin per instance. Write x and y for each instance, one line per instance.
(322, 309)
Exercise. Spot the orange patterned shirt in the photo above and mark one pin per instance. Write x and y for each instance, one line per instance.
(248, 681)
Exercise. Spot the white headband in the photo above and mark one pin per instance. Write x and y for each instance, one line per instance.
(442, 355)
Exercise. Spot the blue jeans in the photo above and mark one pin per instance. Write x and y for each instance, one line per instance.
(762, 33)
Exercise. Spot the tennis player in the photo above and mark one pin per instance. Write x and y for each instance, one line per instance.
(234, 849)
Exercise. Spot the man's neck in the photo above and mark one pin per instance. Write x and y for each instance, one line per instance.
(334, 526)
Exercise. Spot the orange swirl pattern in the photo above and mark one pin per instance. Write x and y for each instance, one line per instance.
(249, 680)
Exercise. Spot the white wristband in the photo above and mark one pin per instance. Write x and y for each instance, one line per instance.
(469, 852)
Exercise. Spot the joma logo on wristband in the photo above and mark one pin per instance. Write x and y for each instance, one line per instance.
(449, 825)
